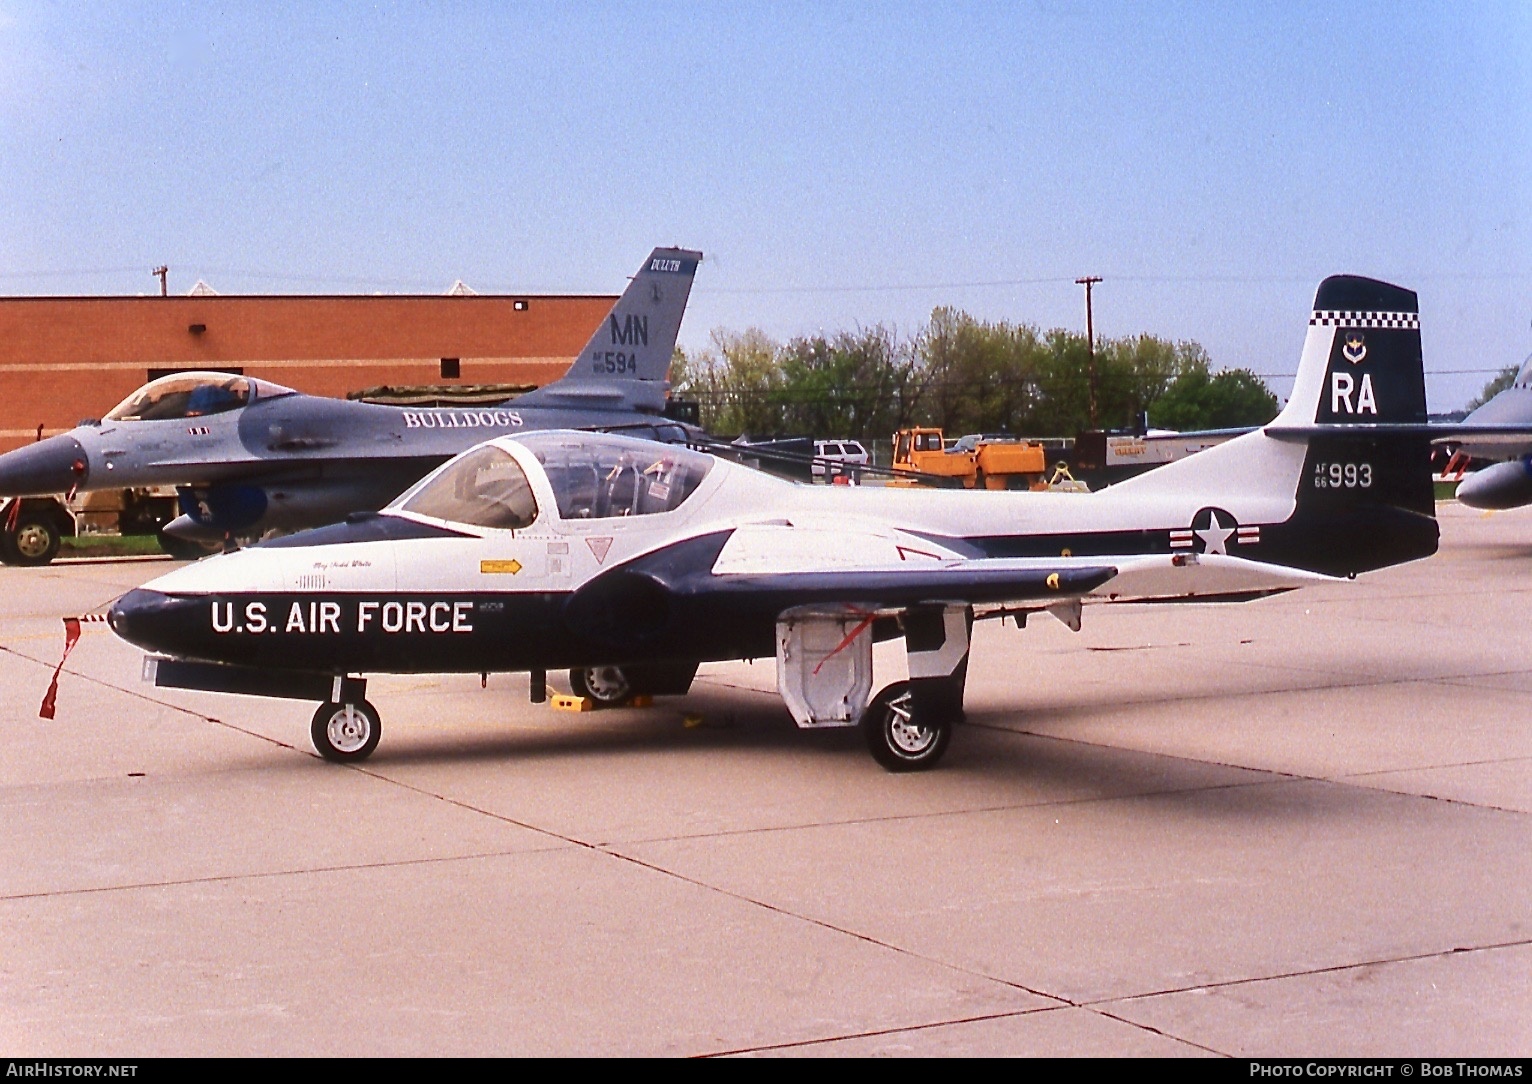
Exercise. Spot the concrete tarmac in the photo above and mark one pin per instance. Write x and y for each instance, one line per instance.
(1295, 827)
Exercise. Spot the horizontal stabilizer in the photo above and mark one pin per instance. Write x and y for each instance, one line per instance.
(1509, 433)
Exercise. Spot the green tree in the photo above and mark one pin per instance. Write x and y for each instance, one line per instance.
(856, 384)
(977, 377)
(736, 382)
(963, 375)
(1134, 373)
(1199, 399)
(1504, 379)
(1063, 385)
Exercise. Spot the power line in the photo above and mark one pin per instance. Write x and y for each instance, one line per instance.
(885, 288)
(1237, 280)
(703, 288)
(1429, 372)
(80, 271)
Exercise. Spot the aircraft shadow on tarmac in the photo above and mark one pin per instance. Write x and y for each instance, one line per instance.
(1494, 551)
(619, 732)
(1014, 767)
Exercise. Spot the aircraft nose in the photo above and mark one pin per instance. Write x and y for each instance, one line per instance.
(55, 465)
(149, 619)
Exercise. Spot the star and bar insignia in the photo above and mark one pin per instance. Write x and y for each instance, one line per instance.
(1211, 531)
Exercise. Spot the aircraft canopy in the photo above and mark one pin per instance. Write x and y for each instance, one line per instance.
(484, 487)
(592, 476)
(191, 395)
(601, 476)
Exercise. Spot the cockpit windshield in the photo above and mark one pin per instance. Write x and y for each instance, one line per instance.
(601, 476)
(183, 395)
(482, 488)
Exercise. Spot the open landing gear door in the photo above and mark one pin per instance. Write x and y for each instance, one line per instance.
(824, 672)
(824, 667)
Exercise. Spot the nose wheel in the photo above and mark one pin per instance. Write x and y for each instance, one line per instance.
(346, 733)
(901, 738)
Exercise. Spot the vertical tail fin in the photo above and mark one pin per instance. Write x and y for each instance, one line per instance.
(1340, 482)
(1362, 365)
(1361, 361)
(1365, 499)
(624, 366)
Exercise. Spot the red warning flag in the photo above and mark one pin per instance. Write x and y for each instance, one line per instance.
(71, 637)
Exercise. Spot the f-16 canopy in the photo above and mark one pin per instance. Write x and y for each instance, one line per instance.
(192, 395)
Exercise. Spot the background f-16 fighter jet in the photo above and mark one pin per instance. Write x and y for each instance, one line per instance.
(1505, 484)
(249, 456)
(631, 561)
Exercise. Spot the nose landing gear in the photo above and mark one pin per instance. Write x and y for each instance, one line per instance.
(346, 733)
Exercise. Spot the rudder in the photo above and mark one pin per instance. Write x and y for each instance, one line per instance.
(625, 364)
(1365, 498)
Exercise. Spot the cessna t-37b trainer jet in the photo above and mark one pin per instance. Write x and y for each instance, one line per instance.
(630, 562)
(250, 456)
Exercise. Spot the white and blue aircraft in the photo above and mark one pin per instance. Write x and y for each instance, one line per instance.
(631, 562)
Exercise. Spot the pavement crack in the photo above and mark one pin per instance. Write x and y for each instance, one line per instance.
(135, 694)
(875, 1032)
(1456, 950)
(258, 875)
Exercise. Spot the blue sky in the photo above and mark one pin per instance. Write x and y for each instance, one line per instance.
(841, 165)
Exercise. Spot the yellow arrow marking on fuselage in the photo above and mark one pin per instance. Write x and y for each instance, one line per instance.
(512, 566)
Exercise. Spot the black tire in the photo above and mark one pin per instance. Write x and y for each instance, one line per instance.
(35, 541)
(608, 686)
(346, 738)
(899, 740)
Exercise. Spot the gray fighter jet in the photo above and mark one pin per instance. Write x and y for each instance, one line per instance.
(249, 457)
(1506, 484)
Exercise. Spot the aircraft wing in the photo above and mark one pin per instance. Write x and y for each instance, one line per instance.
(680, 583)
(1023, 580)
(897, 588)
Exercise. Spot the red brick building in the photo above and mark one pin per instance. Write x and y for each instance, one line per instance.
(67, 358)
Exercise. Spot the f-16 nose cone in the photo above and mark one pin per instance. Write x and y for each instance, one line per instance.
(189, 529)
(55, 465)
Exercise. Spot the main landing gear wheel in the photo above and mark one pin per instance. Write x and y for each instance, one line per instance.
(346, 733)
(608, 686)
(900, 739)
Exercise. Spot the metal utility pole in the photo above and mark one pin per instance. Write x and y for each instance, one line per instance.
(161, 272)
(1090, 336)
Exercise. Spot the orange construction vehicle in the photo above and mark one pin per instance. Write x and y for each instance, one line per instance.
(977, 461)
